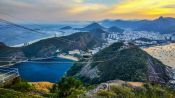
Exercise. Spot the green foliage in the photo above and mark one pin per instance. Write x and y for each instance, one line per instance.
(122, 91)
(156, 91)
(106, 94)
(21, 85)
(68, 87)
(6, 93)
(147, 91)
(74, 69)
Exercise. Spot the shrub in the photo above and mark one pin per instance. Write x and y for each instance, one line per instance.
(68, 87)
(122, 91)
(106, 94)
(21, 85)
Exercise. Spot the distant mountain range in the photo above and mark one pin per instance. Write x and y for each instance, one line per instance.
(97, 26)
(115, 29)
(162, 24)
(66, 28)
(123, 61)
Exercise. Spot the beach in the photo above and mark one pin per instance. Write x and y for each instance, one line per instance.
(68, 57)
(164, 53)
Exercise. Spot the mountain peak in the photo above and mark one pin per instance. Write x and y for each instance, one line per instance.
(161, 17)
(2, 45)
(93, 26)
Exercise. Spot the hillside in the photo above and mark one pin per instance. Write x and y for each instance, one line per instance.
(121, 61)
(9, 53)
(48, 47)
(124, 89)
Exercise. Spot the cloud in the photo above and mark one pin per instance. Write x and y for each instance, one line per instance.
(86, 7)
(170, 6)
(79, 1)
(68, 10)
(151, 8)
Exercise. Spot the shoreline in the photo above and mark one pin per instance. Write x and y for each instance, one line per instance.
(69, 57)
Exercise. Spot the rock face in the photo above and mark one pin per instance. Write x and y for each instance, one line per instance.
(123, 61)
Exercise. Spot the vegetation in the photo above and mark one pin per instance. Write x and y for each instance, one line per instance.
(68, 87)
(8, 93)
(21, 85)
(18, 89)
(147, 91)
(128, 64)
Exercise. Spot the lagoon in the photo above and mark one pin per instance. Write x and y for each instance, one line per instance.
(42, 71)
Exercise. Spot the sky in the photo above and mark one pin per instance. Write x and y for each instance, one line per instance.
(84, 10)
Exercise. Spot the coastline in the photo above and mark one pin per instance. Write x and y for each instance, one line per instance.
(9, 65)
(69, 57)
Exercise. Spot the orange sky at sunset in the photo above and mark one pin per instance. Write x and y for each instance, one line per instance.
(86, 10)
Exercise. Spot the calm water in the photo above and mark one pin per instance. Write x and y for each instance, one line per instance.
(50, 72)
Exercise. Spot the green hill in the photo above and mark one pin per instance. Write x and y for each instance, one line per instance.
(123, 61)
(48, 47)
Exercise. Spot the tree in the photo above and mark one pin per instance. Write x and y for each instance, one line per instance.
(68, 87)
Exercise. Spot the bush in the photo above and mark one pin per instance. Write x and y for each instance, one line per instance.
(106, 94)
(68, 87)
(21, 85)
(6, 93)
(122, 91)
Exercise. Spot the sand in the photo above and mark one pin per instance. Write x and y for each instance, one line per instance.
(165, 53)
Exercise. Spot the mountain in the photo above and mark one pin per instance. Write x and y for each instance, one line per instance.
(2, 45)
(132, 24)
(162, 25)
(66, 28)
(123, 61)
(10, 54)
(115, 29)
(48, 47)
(93, 26)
